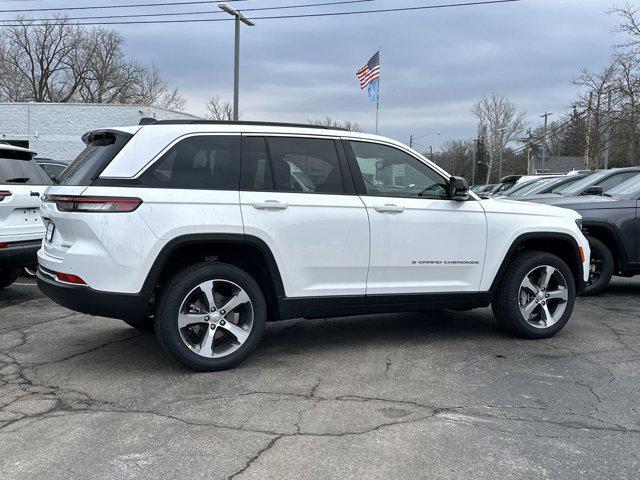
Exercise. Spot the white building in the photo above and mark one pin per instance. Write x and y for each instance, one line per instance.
(54, 130)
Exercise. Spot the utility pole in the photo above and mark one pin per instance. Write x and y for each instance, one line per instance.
(588, 131)
(544, 138)
(475, 159)
(239, 17)
(410, 141)
(608, 140)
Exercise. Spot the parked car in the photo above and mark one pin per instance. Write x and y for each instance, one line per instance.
(610, 222)
(505, 184)
(53, 168)
(197, 229)
(542, 186)
(22, 182)
(594, 184)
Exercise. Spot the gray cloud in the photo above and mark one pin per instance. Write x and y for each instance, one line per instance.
(435, 63)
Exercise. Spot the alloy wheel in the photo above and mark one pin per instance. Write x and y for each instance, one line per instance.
(215, 318)
(543, 296)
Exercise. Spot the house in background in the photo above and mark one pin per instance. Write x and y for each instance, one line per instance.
(557, 164)
(54, 130)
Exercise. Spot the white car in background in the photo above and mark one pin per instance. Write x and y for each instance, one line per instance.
(22, 183)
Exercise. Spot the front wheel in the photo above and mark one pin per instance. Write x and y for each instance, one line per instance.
(211, 316)
(7, 277)
(536, 296)
(600, 268)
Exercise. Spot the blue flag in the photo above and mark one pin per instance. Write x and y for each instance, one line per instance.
(373, 90)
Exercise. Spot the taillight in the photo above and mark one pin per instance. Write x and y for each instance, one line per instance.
(66, 203)
(4, 194)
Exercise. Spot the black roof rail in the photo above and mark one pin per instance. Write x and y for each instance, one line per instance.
(147, 121)
(242, 122)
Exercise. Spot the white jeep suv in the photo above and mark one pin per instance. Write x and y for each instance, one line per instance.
(22, 182)
(204, 231)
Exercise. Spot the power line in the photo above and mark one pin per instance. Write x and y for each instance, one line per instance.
(96, 7)
(202, 12)
(307, 15)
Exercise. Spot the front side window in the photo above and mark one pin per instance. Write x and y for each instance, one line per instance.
(390, 172)
(207, 162)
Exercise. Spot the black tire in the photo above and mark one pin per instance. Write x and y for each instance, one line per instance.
(175, 292)
(602, 261)
(505, 304)
(146, 323)
(7, 277)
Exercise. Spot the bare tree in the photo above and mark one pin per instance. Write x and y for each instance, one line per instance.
(219, 109)
(500, 124)
(55, 61)
(456, 157)
(330, 122)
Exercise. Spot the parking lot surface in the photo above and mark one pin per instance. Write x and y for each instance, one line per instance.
(425, 395)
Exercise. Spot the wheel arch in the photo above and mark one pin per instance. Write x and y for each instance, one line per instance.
(561, 244)
(608, 235)
(245, 251)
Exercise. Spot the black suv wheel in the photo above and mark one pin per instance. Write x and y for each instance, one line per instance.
(600, 268)
(536, 295)
(211, 316)
(7, 277)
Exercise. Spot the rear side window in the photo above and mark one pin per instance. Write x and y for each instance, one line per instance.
(102, 147)
(291, 164)
(26, 172)
(200, 162)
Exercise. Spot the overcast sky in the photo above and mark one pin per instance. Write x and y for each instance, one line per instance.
(435, 63)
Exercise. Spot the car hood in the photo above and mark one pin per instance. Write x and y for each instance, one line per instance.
(589, 202)
(505, 205)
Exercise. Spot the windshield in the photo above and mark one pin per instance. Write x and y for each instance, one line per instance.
(564, 186)
(593, 179)
(531, 187)
(102, 147)
(630, 187)
(26, 172)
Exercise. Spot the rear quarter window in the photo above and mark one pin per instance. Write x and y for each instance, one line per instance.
(201, 162)
(101, 148)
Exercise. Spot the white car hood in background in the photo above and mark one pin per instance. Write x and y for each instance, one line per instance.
(499, 205)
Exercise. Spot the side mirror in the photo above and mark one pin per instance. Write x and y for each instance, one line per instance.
(458, 189)
(592, 190)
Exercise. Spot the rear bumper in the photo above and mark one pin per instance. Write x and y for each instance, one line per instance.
(19, 254)
(93, 302)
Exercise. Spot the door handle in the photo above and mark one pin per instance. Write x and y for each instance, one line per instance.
(389, 208)
(270, 205)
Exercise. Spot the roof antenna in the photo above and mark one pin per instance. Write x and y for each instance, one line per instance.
(147, 121)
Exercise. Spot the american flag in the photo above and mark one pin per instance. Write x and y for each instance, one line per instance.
(370, 71)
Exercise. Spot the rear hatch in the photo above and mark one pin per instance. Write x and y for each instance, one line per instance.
(65, 228)
(22, 184)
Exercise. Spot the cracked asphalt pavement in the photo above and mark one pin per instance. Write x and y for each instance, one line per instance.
(424, 395)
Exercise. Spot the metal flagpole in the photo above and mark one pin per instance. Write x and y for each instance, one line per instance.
(378, 94)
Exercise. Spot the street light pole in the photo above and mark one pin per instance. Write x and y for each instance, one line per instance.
(239, 17)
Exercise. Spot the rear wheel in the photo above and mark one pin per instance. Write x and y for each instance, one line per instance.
(7, 277)
(211, 316)
(600, 268)
(536, 296)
